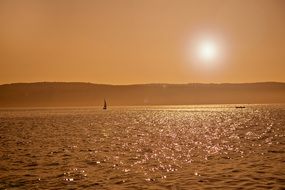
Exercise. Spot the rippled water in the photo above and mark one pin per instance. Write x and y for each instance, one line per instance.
(175, 147)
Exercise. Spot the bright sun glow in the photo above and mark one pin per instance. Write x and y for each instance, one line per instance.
(207, 51)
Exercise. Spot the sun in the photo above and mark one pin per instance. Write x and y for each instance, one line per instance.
(207, 51)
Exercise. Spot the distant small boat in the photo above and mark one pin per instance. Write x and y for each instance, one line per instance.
(240, 106)
(105, 105)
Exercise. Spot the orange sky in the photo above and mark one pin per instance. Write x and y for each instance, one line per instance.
(141, 41)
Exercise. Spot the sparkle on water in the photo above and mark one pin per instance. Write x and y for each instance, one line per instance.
(186, 147)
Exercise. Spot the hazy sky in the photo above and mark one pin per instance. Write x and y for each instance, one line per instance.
(142, 41)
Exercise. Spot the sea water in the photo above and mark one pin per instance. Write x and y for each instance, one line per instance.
(155, 147)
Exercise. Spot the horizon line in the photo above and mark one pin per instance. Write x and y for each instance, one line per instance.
(130, 84)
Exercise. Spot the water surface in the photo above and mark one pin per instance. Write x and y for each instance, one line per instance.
(167, 147)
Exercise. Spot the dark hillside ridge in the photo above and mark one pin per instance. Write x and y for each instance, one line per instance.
(87, 94)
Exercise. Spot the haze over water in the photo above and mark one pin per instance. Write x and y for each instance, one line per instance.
(166, 147)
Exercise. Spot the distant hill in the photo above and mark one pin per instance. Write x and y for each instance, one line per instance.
(88, 94)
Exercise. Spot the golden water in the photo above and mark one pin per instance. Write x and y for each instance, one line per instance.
(167, 147)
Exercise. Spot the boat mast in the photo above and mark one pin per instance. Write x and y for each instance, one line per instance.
(105, 104)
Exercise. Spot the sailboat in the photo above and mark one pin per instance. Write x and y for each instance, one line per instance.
(105, 105)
